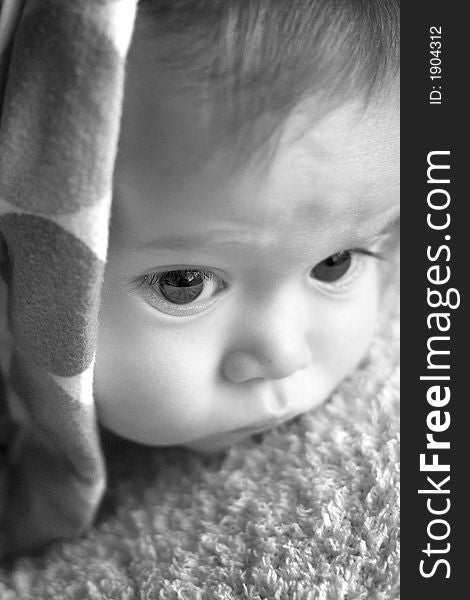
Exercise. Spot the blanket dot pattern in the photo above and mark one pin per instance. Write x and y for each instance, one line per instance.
(61, 76)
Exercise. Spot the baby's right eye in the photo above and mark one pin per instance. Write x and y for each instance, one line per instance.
(182, 291)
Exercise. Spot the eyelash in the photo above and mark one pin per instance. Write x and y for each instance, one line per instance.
(149, 283)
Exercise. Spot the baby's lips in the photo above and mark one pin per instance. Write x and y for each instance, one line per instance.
(268, 424)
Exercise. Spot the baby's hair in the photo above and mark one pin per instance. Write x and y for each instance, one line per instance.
(252, 58)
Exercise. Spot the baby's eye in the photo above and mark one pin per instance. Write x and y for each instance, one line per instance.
(182, 291)
(342, 267)
(181, 287)
(333, 268)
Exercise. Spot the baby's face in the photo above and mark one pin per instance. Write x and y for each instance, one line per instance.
(234, 300)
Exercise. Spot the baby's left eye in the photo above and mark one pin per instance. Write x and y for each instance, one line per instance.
(182, 291)
(342, 267)
(333, 268)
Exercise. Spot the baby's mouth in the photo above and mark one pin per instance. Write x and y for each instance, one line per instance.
(275, 405)
(216, 442)
(261, 426)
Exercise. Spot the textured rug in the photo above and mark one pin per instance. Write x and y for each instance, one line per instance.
(307, 511)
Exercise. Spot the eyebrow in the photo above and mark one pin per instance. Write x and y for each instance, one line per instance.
(202, 239)
(227, 237)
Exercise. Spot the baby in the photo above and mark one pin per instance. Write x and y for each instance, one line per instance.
(254, 216)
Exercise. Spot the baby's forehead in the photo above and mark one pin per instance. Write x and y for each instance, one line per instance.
(341, 154)
(353, 130)
(329, 169)
(332, 151)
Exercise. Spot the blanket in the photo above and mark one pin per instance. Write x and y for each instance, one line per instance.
(62, 67)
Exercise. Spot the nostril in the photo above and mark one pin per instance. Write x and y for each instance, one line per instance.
(288, 360)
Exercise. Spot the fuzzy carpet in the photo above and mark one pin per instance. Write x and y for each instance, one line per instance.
(308, 511)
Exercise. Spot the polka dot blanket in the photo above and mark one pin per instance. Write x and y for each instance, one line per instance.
(62, 66)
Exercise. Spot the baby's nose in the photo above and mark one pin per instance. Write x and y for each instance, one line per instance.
(269, 350)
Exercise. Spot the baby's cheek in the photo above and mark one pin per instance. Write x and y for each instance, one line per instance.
(349, 330)
(165, 364)
(181, 373)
